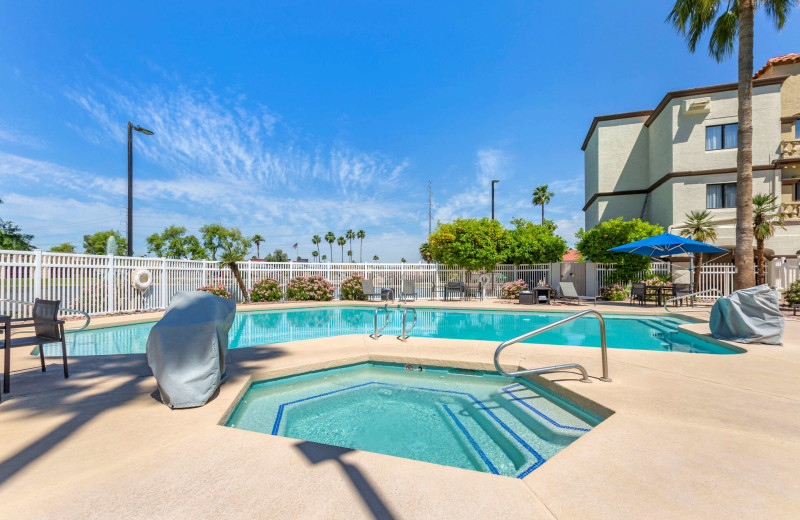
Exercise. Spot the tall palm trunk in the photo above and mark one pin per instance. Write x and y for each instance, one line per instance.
(331, 244)
(258, 250)
(744, 156)
(342, 254)
(361, 251)
(543, 214)
(238, 276)
(761, 277)
(696, 273)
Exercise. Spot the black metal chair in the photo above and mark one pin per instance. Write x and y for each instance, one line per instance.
(638, 292)
(455, 287)
(47, 328)
(681, 289)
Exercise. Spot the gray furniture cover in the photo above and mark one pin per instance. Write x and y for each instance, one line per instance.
(186, 349)
(749, 316)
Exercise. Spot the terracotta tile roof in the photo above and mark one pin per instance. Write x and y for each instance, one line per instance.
(786, 59)
(571, 256)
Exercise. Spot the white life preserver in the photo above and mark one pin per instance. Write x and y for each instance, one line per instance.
(142, 279)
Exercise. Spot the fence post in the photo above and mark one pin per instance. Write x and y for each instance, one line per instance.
(165, 290)
(110, 275)
(37, 273)
(249, 276)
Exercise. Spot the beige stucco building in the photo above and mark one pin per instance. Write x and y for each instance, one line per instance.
(660, 164)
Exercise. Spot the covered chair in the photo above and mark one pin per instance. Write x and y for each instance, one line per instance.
(368, 289)
(47, 328)
(408, 290)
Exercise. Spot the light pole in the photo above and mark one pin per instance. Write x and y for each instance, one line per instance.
(493, 183)
(145, 131)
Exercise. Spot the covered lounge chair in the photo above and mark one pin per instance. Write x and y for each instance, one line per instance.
(408, 290)
(368, 289)
(569, 293)
(47, 328)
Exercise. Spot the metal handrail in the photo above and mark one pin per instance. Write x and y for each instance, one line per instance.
(698, 293)
(558, 368)
(404, 335)
(63, 309)
(377, 333)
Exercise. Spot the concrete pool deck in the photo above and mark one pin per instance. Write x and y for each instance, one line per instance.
(691, 436)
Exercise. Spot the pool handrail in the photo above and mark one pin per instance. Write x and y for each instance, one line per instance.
(558, 368)
(377, 333)
(405, 333)
(691, 295)
(62, 309)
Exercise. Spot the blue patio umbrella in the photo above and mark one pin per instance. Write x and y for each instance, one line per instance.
(667, 244)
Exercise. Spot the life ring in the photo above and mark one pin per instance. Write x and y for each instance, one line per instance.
(142, 279)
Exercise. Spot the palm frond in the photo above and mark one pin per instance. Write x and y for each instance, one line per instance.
(691, 18)
(722, 42)
(777, 10)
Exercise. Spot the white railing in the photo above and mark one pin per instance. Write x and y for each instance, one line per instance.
(604, 272)
(103, 284)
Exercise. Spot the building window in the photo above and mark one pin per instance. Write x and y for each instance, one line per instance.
(797, 191)
(797, 129)
(719, 137)
(721, 195)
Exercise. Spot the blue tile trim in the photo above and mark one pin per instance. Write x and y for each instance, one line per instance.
(539, 458)
(471, 440)
(537, 412)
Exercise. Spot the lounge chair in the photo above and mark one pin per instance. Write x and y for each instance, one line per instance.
(569, 293)
(408, 290)
(369, 290)
(47, 328)
(638, 293)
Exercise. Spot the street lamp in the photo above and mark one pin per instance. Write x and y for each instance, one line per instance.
(493, 183)
(145, 131)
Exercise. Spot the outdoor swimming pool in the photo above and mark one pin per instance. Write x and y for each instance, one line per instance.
(460, 418)
(281, 325)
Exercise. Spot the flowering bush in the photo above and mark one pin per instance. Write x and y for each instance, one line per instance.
(266, 290)
(613, 293)
(792, 294)
(351, 288)
(656, 281)
(511, 289)
(217, 290)
(314, 288)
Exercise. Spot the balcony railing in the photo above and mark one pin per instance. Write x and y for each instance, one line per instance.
(790, 149)
(791, 210)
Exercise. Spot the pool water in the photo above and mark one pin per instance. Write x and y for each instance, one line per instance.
(281, 325)
(458, 418)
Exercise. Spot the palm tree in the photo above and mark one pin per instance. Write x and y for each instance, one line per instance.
(402, 260)
(324, 257)
(541, 197)
(257, 239)
(330, 238)
(375, 258)
(732, 23)
(766, 216)
(315, 254)
(350, 254)
(699, 225)
(316, 240)
(361, 234)
(234, 247)
(341, 242)
(350, 235)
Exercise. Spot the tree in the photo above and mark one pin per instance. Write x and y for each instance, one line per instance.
(257, 239)
(341, 241)
(316, 240)
(766, 216)
(595, 243)
(65, 247)
(699, 225)
(361, 234)
(425, 252)
(315, 254)
(95, 244)
(535, 244)
(350, 254)
(350, 235)
(471, 244)
(213, 235)
(277, 256)
(12, 237)
(732, 23)
(234, 246)
(174, 243)
(375, 258)
(402, 260)
(324, 257)
(541, 197)
(330, 238)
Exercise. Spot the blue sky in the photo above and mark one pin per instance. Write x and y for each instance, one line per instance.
(293, 118)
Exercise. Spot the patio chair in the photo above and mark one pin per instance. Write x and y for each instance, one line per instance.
(638, 291)
(681, 289)
(408, 290)
(569, 293)
(368, 289)
(47, 328)
(455, 286)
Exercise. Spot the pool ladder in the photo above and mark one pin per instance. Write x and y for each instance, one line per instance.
(558, 368)
(406, 331)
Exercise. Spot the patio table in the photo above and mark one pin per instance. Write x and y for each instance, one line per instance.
(661, 292)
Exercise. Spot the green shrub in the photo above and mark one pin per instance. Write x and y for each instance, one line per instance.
(312, 288)
(792, 294)
(216, 290)
(595, 243)
(351, 288)
(614, 293)
(266, 290)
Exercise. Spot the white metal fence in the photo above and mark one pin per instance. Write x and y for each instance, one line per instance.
(103, 284)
